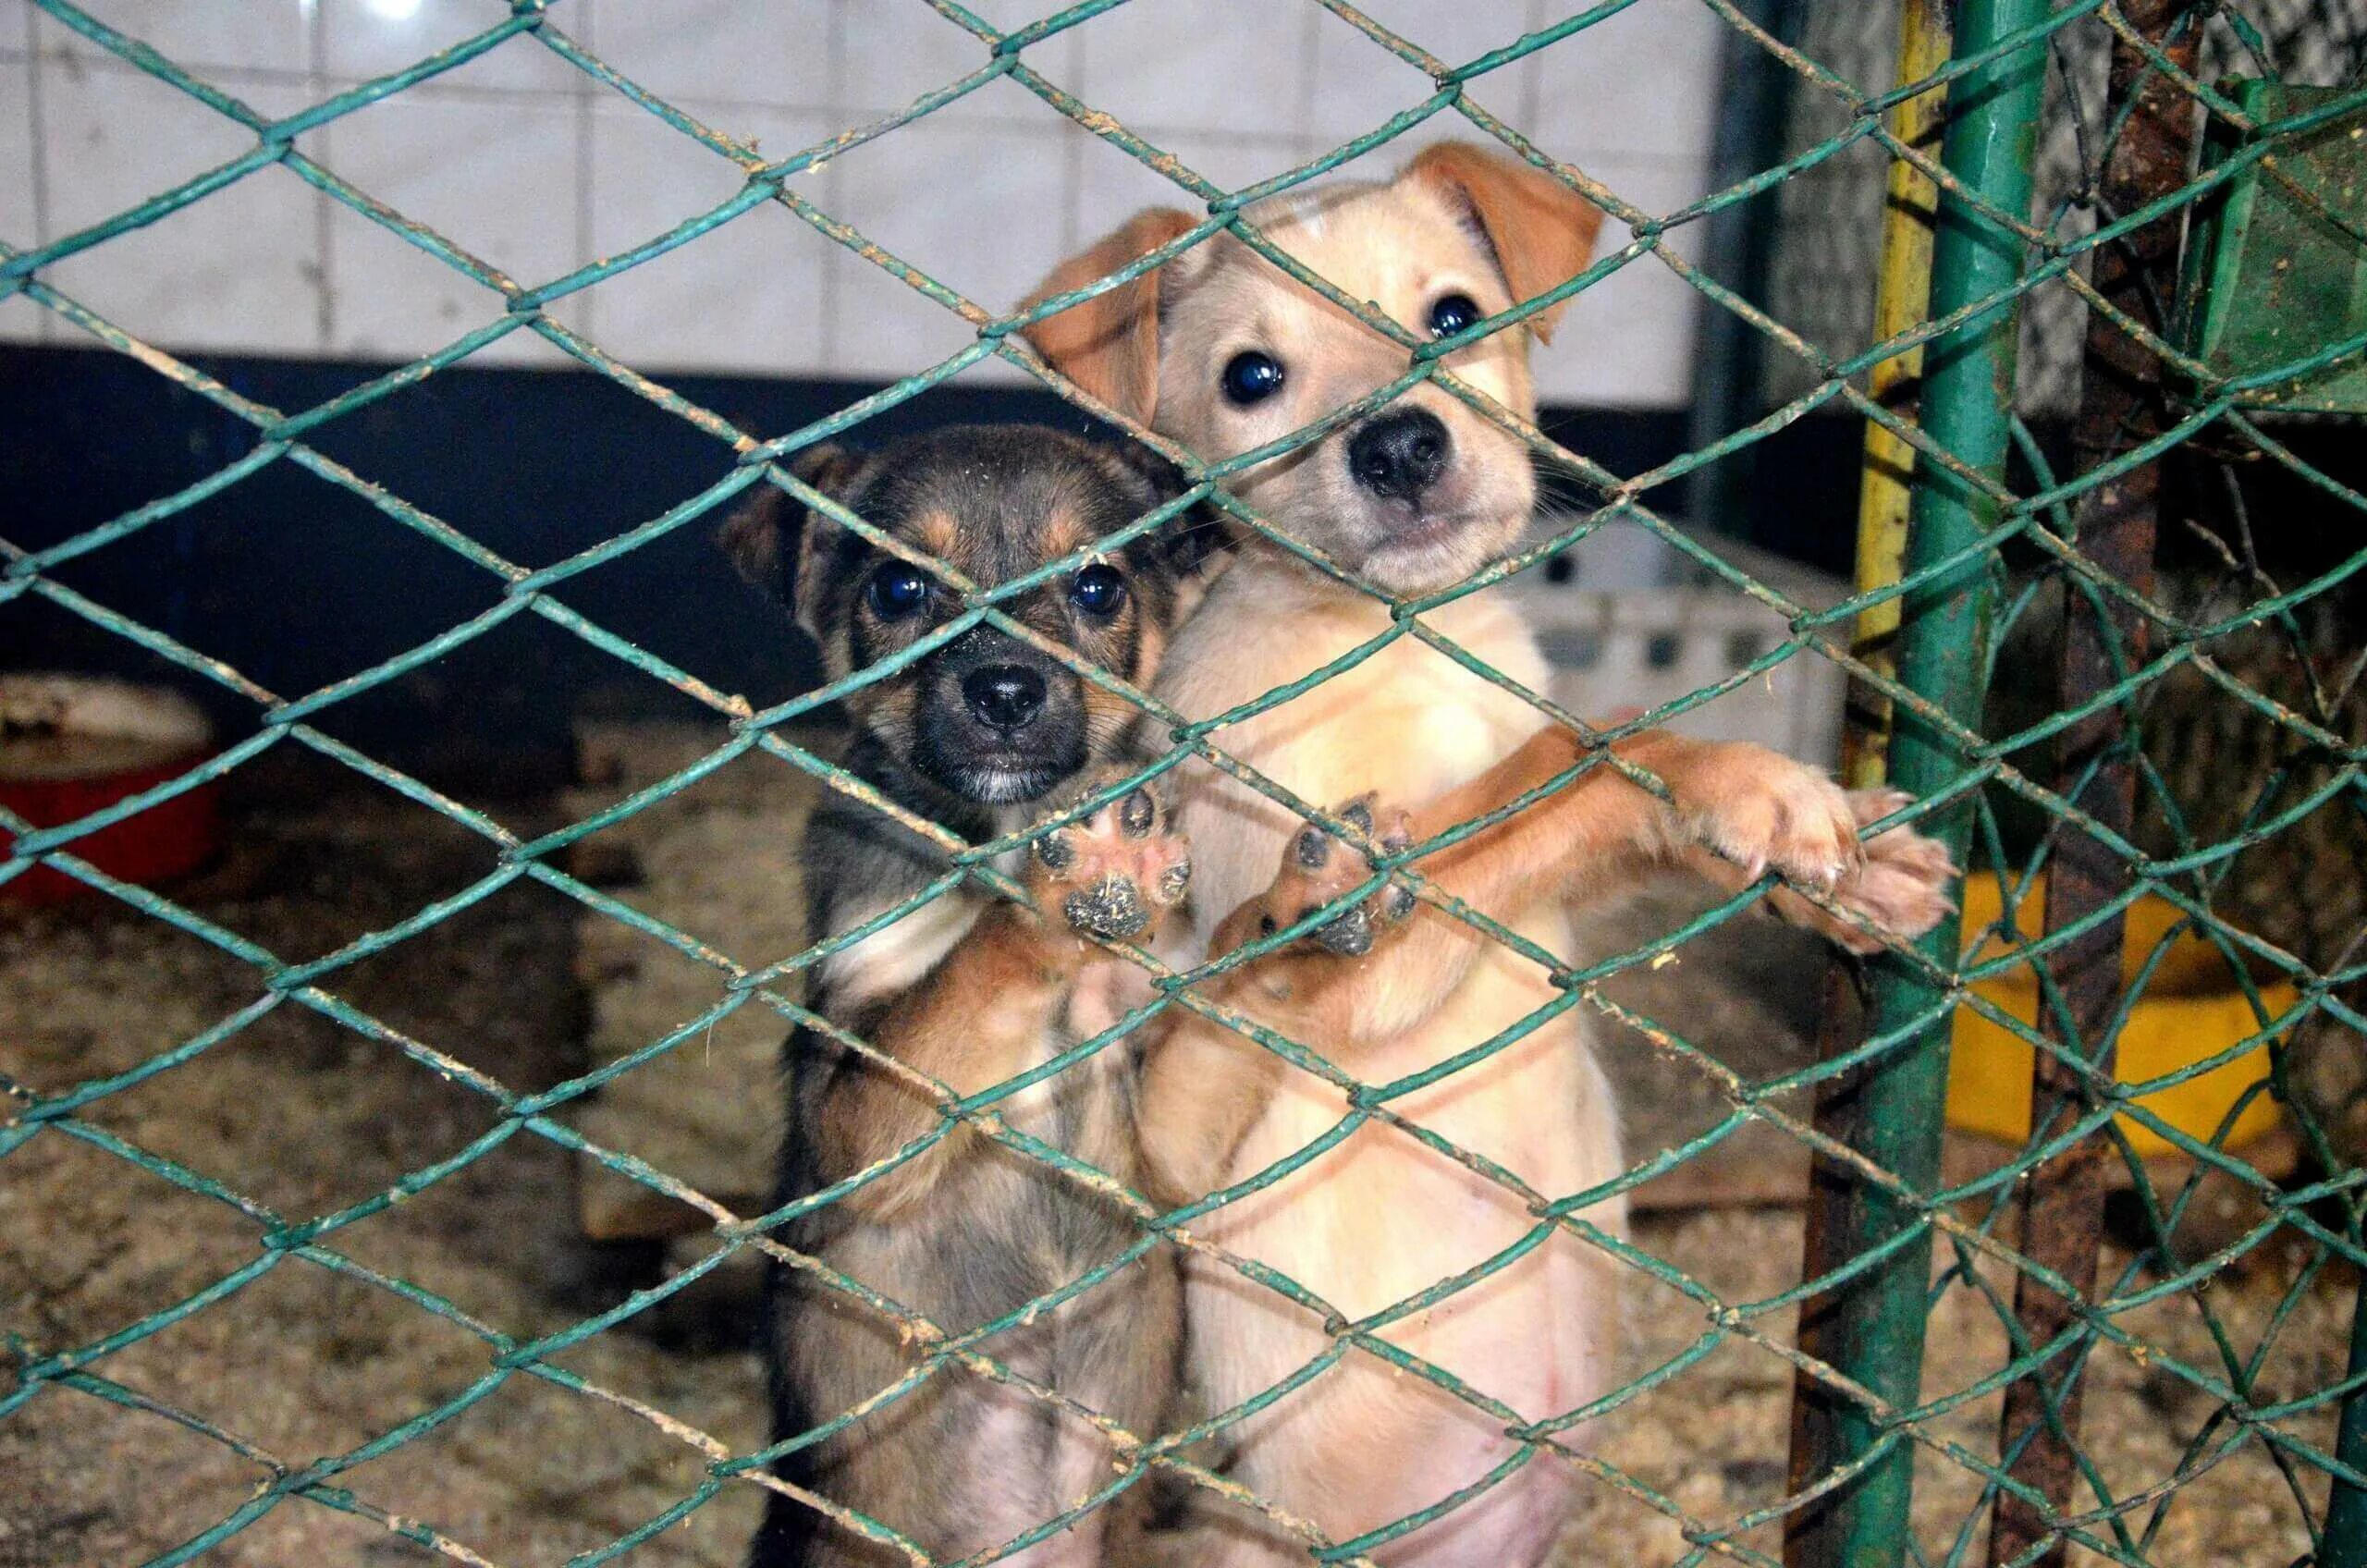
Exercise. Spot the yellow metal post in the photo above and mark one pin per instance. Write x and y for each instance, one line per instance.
(1903, 298)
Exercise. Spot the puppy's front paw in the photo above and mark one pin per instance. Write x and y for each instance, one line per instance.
(1902, 886)
(1115, 874)
(1318, 869)
(1761, 809)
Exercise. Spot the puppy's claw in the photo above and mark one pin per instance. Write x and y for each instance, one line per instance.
(1760, 810)
(1900, 881)
(1137, 814)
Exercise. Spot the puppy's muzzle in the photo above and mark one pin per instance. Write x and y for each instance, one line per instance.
(1004, 697)
(1399, 455)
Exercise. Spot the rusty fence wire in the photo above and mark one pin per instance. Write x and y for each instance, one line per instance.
(2120, 783)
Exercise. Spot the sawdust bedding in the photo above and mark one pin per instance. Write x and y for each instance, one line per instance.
(307, 1117)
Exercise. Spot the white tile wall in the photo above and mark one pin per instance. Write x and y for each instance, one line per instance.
(751, 296)
(245, 251)
(929, 193)
(786, 53)
(497, 177)
(268, 42)
(1358, 83)
(233, 269)
(1641, 80)
(109, 138)
(1627, 340)
(537, 168)
(360, 39)
(19, 219)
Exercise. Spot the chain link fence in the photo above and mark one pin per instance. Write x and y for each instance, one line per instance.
(2250, 661)
(1830, 217)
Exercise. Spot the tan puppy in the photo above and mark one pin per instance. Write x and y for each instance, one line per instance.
(1223, 351)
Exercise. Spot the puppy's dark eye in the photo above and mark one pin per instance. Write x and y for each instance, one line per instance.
(896, 590)
(1097, 590)
(1252, 377)
(1451, 313)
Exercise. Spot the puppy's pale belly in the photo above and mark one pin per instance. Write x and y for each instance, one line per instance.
(1379, 1218)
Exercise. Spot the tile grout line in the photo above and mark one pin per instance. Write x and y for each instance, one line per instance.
(835, 46)
(37, 129)
(324, 286)
(587, 302)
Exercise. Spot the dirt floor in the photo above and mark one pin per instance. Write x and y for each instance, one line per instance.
(305, 1115)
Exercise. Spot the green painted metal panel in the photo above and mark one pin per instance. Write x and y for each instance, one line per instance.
(2278, 291)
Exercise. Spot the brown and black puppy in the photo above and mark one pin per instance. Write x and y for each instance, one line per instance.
(983, 735)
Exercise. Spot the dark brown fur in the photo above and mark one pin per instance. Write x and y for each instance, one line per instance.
(966, 994)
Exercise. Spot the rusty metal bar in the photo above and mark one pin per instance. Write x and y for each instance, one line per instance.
(1902, 301)
(2121, 407)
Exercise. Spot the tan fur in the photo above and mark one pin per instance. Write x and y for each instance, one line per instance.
(984, 1018)
(1542, 235)
(1379, 1218)
(1100, 343)
(940, 532)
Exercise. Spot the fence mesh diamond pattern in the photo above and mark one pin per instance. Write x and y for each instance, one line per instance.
(2013, 550)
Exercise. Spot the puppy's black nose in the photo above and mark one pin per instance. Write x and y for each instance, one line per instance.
(1005, 695)
(1400, 454)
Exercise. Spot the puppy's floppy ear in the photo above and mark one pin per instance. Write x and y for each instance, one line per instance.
(777, 544)
(1541, 231)
(753, 538)
(1190, 539)
(1108, 345)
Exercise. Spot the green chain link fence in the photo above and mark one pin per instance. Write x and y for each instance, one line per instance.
(1999, 534)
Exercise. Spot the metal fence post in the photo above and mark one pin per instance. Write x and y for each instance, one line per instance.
(1871, 1327)
(1737, 249)
(2121, 407)
(2345, 1533)
(1902, 301)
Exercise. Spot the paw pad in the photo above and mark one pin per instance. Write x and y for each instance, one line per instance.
(1350, 935)
(1112, 908)
(1055, 850)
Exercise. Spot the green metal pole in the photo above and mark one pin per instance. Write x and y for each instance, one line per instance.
(1871, 1327)
(2346, 1537)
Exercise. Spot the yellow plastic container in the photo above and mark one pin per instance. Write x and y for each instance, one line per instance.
(2192, 1008)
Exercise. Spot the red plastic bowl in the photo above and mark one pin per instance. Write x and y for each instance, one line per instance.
(70, 745)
